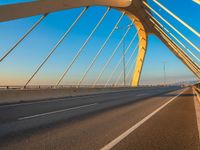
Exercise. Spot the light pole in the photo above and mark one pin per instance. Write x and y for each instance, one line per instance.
(164, 69)
(123, 54)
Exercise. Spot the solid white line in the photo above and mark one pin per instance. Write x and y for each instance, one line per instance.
(134, 127)
(197, 108)
(57, 111)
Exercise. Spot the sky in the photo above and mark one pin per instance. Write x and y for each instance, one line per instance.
(17, 68)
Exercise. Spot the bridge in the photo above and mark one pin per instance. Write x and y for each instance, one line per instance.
(72, 79)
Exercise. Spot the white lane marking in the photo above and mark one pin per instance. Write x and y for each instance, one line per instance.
(43, 101)
(71, 98)
(62, 99)
(134, 127)
(57, 111)
(197, 108)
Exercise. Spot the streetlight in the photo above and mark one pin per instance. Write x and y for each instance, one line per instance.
(164, 69)
(123, 45)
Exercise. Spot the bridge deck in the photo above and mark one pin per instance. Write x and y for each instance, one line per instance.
(172, 127)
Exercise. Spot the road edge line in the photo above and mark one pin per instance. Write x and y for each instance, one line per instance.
(134, 127)
(197, 110)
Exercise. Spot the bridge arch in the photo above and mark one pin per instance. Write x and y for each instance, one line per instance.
(142, 34)
(133, 9)
(22, 10)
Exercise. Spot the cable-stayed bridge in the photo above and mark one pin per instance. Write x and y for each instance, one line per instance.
(93, 68)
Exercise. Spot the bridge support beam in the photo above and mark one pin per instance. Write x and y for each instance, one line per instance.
(139, 61)
(27, 9)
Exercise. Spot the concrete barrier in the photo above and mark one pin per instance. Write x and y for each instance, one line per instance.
(197, 92)
(196, 89)
(22, 95)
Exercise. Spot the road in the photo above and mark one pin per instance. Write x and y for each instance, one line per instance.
(151, 118)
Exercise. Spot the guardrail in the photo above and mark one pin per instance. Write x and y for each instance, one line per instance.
(197, 90)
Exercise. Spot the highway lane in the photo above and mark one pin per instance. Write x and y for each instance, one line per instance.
(18, 117)
(174, 127)
(94, 131)
(14, 112)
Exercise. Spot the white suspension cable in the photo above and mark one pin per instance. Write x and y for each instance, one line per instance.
(104, 67)
(55, 47)
(83, 46)
(180, 51)
(129, 60)
(177, 18)
(170, 25)
(129, 71)
(169, 40)
(22, 38)
(100, 50)
(117, 66)
(172, 35)
(192, 64)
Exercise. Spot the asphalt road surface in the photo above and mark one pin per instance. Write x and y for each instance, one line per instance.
(139, 119)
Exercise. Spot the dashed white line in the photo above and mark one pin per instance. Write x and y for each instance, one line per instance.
(43, 101)
(134, 127)
(57, 111)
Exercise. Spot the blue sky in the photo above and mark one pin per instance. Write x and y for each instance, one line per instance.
(18, 67)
